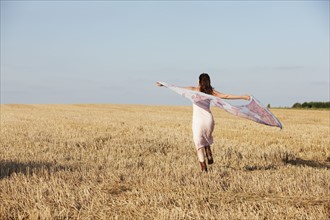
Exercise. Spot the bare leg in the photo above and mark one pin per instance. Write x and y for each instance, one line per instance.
(209, 154)
(201, 158)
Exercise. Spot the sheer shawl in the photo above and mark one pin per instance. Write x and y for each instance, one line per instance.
(254, 110)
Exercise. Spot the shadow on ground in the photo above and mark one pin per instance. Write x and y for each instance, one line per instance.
(8, 167)
(309, 163)
(253, 167)
(295, 162)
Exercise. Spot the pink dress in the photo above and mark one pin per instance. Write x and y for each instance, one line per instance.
(202, 124)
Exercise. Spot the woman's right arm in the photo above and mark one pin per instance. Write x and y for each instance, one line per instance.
(187, 87)
(190, 88)
(229, 96)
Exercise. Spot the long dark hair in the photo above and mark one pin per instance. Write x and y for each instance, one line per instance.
(205, 84)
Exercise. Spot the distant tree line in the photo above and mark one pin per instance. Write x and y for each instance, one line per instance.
(311, 105)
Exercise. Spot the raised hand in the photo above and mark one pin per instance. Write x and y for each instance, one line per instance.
(247, 97)
(159, 84)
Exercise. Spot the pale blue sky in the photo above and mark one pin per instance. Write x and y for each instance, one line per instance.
(115, 51)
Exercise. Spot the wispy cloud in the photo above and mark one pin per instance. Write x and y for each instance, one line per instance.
(320, 83)
(278, 67)
(294, 67)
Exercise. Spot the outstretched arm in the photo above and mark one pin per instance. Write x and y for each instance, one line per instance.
(187, 87)
(229, 96)
(190, 88)
(215, 93)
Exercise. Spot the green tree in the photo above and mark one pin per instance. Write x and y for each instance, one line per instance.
(296, 105)
(312, 105)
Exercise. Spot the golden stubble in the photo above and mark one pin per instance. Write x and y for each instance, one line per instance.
(139, 162)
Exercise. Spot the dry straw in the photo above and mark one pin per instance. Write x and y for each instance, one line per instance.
(138, 162)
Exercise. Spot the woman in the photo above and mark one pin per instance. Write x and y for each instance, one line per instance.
(203, 122)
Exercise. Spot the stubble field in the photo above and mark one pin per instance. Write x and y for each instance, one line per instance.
(139, 162)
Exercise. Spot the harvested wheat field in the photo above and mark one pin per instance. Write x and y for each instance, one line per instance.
(139, 162)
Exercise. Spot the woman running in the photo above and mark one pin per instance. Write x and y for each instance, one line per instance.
(203, 122)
